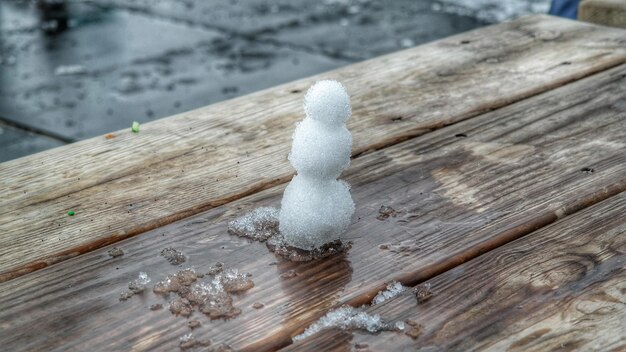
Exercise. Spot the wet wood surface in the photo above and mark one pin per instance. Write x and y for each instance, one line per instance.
(561, 288)
(177, 167)
(460, 191)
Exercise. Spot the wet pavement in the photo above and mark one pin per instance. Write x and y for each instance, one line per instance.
(79, 69)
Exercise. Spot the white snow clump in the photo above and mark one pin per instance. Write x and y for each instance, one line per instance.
(345, 318)
(350, 318)
(316, 207)
(393, 289)
(143, 278)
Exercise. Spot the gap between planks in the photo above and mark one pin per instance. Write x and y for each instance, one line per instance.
(131, 184)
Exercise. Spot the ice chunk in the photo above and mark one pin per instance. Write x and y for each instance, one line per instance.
(186, 337)
(259, 224)
(346, 318)
(399, 325)
(203, 292)
(178, 282)
(233, 281)
(393, 289)
(317, 208)
(143, 278)
(213, 300)
(137, 286)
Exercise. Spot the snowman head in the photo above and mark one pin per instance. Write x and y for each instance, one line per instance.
(328, 102)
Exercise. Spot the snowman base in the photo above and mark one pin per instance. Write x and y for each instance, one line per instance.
(262, 225)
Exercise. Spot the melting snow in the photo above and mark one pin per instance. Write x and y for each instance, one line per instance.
(346, 318)
(393, 289)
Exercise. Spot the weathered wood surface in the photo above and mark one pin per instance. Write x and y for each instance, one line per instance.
(517, 169)
(331, 340)
(604, 12)
(561, 288)
(183, 165)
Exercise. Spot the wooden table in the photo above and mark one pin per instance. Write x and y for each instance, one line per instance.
(503, 150)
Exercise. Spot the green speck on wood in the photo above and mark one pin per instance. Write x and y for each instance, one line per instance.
(135, 127)
(71, 213)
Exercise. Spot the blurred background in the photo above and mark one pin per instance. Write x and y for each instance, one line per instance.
(75, 69)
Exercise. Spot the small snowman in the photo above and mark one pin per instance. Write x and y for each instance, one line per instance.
(317, 208)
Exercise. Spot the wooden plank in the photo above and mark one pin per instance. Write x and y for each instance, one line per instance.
(604, 12)
(562, 287)
(195, 161)
(518, 169)
(335, 340)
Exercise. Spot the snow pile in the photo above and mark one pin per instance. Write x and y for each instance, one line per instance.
(216, 302)
(393, 289)
(212, 298)
(350, 318)
(177, 282)
(346, 318)
(492, 10)
(316, 207)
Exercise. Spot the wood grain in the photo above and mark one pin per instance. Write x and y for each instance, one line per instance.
(517, 169)
(335, 340)
(184, 165)
(561, 288)
(604, 12)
